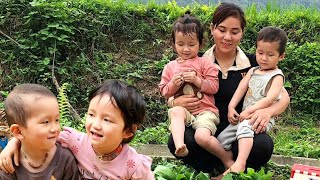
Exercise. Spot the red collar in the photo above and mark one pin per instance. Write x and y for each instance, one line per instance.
(110, 156)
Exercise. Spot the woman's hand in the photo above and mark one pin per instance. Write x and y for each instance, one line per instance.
(11, 150)
(259, 120)
(190, 102)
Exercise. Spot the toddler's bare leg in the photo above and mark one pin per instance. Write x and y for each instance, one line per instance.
(204, 138)
(245, 146)
(178, 116)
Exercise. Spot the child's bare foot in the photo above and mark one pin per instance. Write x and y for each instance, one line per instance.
(227, 171)
(182, 150)
(219, 177)
(236, 167)
(228, 161)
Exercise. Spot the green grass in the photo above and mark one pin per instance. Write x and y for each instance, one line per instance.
(297, 136)
(296, 141)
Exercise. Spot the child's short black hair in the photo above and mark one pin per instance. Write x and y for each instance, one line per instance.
(273, 34)
(16, 104)
(128, 100)
(188, 24)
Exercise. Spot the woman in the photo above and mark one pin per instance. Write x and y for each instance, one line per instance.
(227, 30)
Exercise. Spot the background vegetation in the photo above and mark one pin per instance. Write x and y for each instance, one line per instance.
(82, 43)
(242, 3)
(77, 44)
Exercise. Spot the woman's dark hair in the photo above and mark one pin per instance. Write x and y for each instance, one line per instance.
(127, 99)
(273, 34)
(16, 109)
(188, 24)
(225, 10)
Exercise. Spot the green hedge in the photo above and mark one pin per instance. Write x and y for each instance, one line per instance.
(86, 42)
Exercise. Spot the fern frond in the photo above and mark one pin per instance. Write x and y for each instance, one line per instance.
(66, 118)
(64, 106)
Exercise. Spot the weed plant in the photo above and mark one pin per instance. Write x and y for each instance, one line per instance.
(152, 135)
(165, 169)
(297, 136)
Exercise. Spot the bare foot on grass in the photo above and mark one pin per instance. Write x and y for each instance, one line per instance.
(182, 151)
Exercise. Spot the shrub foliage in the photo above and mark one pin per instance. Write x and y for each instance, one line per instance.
(82, 43)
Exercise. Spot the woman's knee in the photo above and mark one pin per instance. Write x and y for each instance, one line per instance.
(189, 140)
(202, 136)
(263, 144)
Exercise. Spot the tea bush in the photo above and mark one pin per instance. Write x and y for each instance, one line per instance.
(302, 69)
(82, 43)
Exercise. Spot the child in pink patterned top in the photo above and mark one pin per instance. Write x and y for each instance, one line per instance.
(115, 112)
(201, 76)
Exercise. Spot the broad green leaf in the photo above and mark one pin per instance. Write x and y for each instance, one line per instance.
(164, 172)
(181, 177)
(250, 171)
(202, 176)
(228, 176)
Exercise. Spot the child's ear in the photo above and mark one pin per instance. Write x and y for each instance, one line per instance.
(130, 131)
(281, 57)
(15, 130)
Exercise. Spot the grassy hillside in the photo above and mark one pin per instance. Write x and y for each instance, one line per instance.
(82, 43)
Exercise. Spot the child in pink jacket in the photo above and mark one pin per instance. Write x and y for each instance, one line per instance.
(197, 76)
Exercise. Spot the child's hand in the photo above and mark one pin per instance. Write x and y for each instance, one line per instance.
(190, 77)
(178, 79)
(244, 115)
(233, 116)
(11, 150)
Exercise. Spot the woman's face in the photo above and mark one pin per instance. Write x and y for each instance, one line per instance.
(227, 35)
